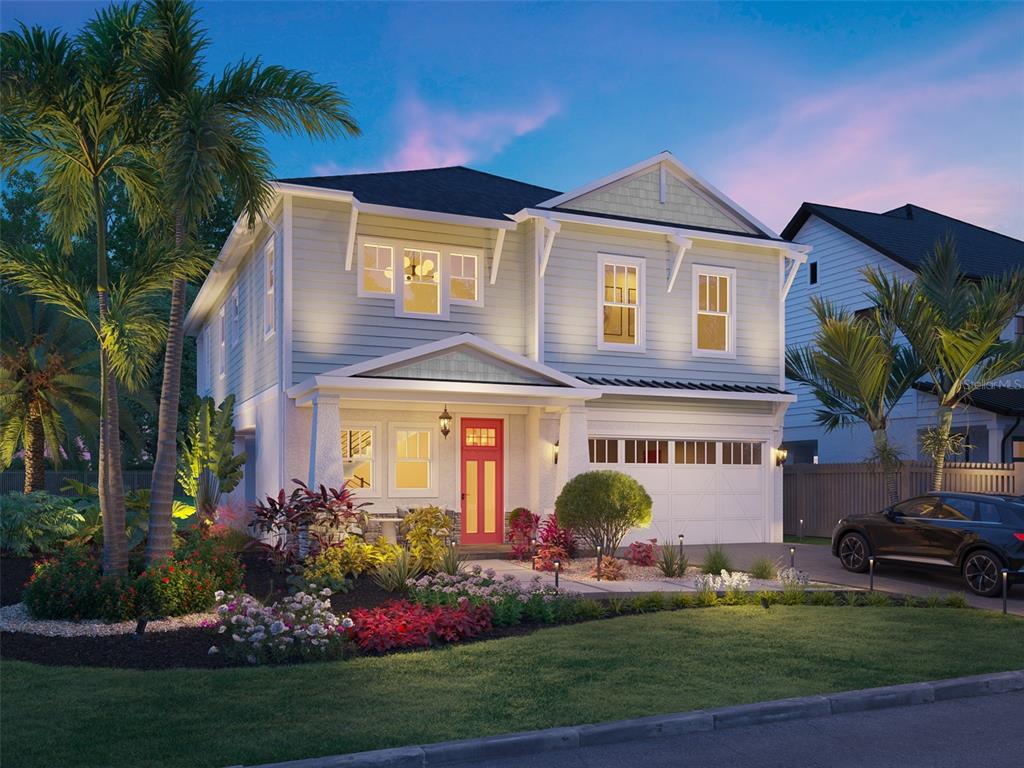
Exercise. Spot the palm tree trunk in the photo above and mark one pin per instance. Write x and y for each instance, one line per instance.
(943, 428)
(161, 498)
(35, 451)
(890, 466)
(111, 481)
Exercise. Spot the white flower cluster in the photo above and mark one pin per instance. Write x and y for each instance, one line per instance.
(483, 586)
(793, 577)
(300, 624)
(737, 581)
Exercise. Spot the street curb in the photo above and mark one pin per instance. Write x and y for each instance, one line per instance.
(657, 726)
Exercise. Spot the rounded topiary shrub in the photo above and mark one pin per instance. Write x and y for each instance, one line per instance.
(601, 507)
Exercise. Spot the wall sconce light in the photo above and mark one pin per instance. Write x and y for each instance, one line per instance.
(781, 454)
(445, 420)
(555, 451)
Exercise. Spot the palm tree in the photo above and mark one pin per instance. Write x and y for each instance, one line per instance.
(210, 141)
(858, 372)
(955, 326)
(44, 386)
(69, 106)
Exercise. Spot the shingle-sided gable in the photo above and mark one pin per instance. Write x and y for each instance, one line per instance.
(641, 196)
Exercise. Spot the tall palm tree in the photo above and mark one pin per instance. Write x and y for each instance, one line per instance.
(858, 372)
(211, 141)
(44, 386)
(69, 106)
(955, 326)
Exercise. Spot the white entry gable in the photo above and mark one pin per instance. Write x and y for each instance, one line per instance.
(661, 189)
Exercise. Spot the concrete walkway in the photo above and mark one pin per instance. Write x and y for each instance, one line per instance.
(814, 559)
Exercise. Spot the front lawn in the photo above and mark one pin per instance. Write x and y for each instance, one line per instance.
(598, 670)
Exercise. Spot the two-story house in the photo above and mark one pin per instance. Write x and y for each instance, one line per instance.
(845, 242)
(451, 337)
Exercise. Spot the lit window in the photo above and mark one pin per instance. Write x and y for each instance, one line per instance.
(236, 319)
(621, 319)
(378, 269)
(463, 277)
(713, 300)
(357, 458)
(483, 437)
(646, 451)
(222, 327)
(741, 453)
(422, 285)
(695, 452)
(603, 451)
(269, 304)
(412, 460)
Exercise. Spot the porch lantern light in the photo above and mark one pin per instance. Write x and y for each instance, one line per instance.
(554, 450)
(445, 420)
(781, 454)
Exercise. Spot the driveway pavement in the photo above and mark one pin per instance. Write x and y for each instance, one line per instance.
(980, 731)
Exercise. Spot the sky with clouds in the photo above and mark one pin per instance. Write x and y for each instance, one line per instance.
(854, 104)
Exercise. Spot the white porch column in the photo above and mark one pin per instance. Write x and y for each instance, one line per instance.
(573, 458)
(325, 443)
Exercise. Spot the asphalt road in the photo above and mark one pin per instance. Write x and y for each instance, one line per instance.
(963, 733)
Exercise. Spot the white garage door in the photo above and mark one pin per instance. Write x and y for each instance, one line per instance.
(711, 491)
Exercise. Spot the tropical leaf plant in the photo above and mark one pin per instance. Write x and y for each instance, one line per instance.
(208, 446)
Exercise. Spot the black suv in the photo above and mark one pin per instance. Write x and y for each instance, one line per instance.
(977, 533)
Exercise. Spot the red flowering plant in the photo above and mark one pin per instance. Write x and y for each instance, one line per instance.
(551, 533)
(522, 530)
(401, 625)
(325, 516)
(642, 552)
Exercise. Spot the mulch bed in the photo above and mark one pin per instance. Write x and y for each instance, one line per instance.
(152, 650)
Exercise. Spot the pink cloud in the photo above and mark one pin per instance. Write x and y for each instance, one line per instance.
(888, 139)
(436, 136)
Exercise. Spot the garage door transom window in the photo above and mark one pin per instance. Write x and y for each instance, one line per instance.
(741, 453)
(603, 451)
(695, 452)
(646, 451)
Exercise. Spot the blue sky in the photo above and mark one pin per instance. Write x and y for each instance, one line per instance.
(864, 105)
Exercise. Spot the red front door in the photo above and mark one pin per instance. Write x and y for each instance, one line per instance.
(483, 481)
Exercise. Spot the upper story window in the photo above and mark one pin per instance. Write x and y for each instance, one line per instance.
(1018, 327)
(621, 304)
(222, 342)
(236, 319)
(424, 280)
(714, 299)
(269, 280)
(812, 272)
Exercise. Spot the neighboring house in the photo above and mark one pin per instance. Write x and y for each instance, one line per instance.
(844, 243)
(635, 323)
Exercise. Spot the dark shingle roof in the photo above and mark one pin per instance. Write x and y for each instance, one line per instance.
(908, 233)
(693, 386)
(758, 234)
(455, 189)
(1006, 401)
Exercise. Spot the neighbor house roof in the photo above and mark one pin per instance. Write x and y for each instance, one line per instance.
(1006, 401)
(908, 233)
(457, 190)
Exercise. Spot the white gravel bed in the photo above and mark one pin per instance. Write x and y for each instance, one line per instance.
(15, 618)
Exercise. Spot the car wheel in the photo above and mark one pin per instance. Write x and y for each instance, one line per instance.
(982, 573)
(853, 552)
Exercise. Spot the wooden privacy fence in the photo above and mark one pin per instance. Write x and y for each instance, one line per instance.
(820, 494)
(14, 479)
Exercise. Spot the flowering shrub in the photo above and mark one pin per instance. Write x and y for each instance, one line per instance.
(522, 530)
(611, 569)
(72, 586)
(546, 556)
(791, 576)
(510, 601)
(301, 626)
(551, 533)
(734, 585)
(641, 552)
(401, 624)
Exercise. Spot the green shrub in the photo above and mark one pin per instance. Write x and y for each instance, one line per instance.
(426, 532)
(602, 506)
(764, 569)
(616, 606)
(36, 523)
(716, 560)
(670, 562)
(792, 593)
(879, 600)
(823, 597)
(767, 597)
(394, 575)
(335, 566)
(957, 600)
(452, 562)
(681, 600)
(588, 608)
(651, 603)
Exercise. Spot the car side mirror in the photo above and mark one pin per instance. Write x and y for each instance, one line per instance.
(890, 512)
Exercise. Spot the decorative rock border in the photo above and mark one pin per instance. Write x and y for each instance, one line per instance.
(15, 618)
(552, 739)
